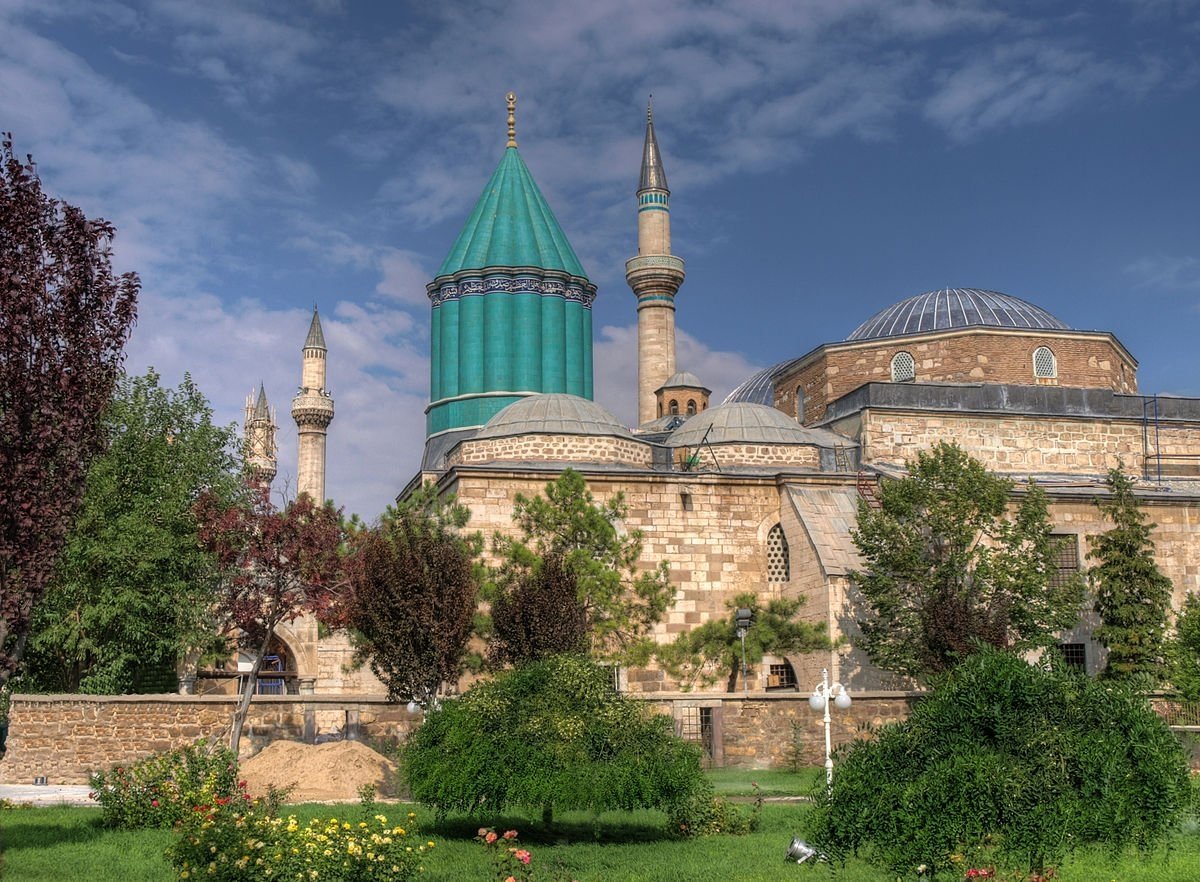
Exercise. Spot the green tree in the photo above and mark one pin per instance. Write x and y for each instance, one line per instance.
(1132, 596)
(550, 736)
(1183, 650)
(714, 649)
(946, 570)
(621, 601)
(1008, 764)
(133, 589)
(413, 594)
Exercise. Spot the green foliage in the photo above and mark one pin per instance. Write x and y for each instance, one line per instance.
(621, 602)
(1184, 649)
(132, 587)
(242, 843)
(707, 814)
(714, 650)
(1132, 596)
(548, 736)
(163, 789)
(1006, 763)
(946, 570)
(413, 594)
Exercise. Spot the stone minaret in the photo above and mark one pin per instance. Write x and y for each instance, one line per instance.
(654, 275)
(258, 437)
(312, 409)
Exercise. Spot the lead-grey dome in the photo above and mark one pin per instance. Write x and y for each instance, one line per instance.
(553, 414)
(955, 308)
(742, 423)
(683, 378)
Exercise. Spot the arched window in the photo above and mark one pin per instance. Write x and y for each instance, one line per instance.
(799, 404)
(1045, 365)
(779, 567)
(673, 406)
(691, 408)
(904, 368)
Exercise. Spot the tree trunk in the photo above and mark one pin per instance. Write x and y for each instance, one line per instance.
(731, 683)
(243, 708)
(547, 815)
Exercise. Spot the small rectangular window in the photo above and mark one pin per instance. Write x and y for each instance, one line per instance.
(1074, 654)
(1066, 558)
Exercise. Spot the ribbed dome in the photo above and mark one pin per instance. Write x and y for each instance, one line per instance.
(955, 308)
(760, 388)
(512, 225)
(554, 414)
(741, 422)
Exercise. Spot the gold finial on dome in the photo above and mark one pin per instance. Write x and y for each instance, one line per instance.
(511, 98)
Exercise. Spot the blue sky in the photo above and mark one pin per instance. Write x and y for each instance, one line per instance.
(827, 158)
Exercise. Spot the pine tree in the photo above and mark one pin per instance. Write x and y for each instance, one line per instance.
(1132, 596)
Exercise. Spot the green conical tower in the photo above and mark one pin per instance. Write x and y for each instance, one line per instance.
(511, 305)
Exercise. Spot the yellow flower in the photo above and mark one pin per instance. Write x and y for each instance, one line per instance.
(430, 843)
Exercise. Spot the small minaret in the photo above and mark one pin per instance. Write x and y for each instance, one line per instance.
(655, 276)
(258, 439)
(312, 409)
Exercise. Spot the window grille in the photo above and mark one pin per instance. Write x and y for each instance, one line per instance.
(781, 676)
(695, 724)
(904, 368)
(1066, 558)
(779, 567)
(1074, 654)
(1045, 365)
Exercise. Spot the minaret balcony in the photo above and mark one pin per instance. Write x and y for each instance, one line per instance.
(654, 273)
(311, 408)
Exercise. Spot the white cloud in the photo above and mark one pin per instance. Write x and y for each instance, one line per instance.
(1163, 271)
(614, 368)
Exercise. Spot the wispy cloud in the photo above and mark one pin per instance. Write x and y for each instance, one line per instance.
(1166, 272)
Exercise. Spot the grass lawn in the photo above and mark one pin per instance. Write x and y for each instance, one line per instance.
(51, 845)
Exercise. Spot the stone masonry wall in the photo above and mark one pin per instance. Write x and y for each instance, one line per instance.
(1090, 361)
(804, 456)
(67, 737)
(552, 448)
(1022, 444)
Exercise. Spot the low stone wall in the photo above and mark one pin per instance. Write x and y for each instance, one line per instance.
(67, 737)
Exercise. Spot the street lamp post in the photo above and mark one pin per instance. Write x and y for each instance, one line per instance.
(742, 618)
(820, 702)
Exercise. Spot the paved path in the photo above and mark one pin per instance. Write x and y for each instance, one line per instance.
(54, 794)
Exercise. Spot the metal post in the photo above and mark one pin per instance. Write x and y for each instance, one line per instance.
(745, 670)
(828, 742)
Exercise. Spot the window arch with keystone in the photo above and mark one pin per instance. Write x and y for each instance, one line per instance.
(1045, 365)
(904, 367)
(779, 566)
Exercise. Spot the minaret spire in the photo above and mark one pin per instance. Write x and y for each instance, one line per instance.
(258, 439)
(312, 409)
(655, 276)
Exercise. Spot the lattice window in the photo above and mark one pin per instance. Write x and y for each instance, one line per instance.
(1045, 365)
(779, 567)
(904, 367)
(1066, 558)
(696, 724)
(781, 676)
(1074, 654)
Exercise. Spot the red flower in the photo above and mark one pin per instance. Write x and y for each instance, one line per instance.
(154, 802)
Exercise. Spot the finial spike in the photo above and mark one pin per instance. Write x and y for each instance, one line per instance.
(650, 108)
(511, 98)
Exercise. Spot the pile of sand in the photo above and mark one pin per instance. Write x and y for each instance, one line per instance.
(330, 772)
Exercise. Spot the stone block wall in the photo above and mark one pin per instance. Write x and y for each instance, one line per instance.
(552, 448)
(1022, 444)
(803, 456)
(67, 737)
(1085, 360)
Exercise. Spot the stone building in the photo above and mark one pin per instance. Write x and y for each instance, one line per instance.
(760, 492)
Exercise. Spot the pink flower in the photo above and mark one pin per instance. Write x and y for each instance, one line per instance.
(510, 834)
(523, 856)
(482, 831)
(490, 838)
(511, 879)
(154, 802)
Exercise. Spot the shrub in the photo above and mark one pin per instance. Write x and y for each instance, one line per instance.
(707, 814)
(550, 735)
(243, 843)
(163, 789)
(1010, 764)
